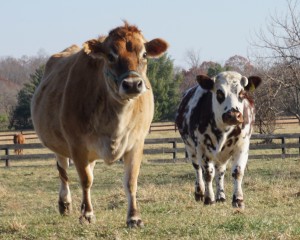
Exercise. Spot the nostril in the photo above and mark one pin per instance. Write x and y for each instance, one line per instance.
(139, 84)
(239, 117)
(126, 85)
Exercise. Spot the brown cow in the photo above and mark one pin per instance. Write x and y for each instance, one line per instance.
(19, 139)
(97, 103)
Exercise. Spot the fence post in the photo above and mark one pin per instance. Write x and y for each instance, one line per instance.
(7, 162)
(283, 147)
(174, 150)
(299, 146)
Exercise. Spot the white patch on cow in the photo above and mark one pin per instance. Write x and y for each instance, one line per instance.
(194, 101)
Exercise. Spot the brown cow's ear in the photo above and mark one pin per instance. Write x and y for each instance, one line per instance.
(156, 47)
(205, 82)
(93, 48)
(253, 83)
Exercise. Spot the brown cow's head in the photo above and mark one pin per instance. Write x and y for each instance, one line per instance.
(125, 52)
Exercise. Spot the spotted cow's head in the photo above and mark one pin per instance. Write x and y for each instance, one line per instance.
(229, 90)
(125, 52)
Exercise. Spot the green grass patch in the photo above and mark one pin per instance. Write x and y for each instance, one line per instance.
(29, 194)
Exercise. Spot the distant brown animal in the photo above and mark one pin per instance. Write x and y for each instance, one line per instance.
(19, 139)
(96, 102)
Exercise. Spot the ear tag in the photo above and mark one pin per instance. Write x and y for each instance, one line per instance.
(252, 87)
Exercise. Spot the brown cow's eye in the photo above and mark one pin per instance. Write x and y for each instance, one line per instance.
(220, 96)
(145, 55)
(110, 57)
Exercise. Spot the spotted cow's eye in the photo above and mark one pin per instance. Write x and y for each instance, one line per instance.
(241, 95)
(220, 96)
(145, 55)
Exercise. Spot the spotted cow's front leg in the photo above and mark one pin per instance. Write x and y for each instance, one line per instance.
(208, 174)
(199, 184)
(132, 162)
(238, 169)
(220, 173)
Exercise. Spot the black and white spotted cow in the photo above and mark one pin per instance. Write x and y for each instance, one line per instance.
(215, 120)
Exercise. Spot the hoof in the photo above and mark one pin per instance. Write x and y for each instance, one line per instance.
(238, 203)
(221, 199)
(65, 208)
(87, 218)
(133, 223)
(208, 201)
(199, 197)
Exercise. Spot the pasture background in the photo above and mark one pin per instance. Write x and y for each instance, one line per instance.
(29, 194)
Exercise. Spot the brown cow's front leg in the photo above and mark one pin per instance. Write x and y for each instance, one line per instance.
(65, 200)
(85, 172)
(132, 162)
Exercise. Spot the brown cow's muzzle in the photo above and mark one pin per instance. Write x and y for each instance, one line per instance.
(233, 117)
(133, 86)
(130, 83)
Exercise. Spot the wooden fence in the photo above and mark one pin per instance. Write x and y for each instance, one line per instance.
(171, 150)
(170, 126)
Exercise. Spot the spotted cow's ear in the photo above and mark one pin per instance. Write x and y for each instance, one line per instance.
(93, 48)
(156, 47)
(253, 83)
(205, 82)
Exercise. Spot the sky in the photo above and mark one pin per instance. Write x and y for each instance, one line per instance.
(215, 29)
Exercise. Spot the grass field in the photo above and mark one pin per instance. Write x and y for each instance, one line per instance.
(29, 193)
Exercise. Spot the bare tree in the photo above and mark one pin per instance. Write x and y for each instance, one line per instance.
(279, 48)
(193, 58)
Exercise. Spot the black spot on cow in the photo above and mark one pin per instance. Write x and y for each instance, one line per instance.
(183, 108)
(208, 142)
(236, 172)
(229, 142)
(235, 132)
(201, 114)
(217, 132)
(196, 166)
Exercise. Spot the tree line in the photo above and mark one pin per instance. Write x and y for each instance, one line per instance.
(275, 57)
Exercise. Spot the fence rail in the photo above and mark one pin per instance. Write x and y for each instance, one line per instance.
(170, 126)
(263, 146)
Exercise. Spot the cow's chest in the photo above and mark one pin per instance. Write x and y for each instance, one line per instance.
(219, 147)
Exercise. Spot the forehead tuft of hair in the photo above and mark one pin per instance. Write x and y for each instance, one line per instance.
(124, 31)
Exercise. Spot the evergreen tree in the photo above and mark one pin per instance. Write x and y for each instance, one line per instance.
(165, 82)
(20, 117)
(216, 69)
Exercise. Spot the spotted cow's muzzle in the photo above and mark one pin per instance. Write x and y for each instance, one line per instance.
(233, 117)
